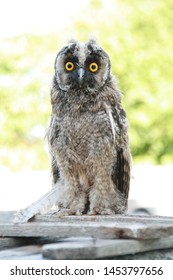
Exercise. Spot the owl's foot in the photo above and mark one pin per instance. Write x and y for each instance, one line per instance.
(100, 211)
(68, 212)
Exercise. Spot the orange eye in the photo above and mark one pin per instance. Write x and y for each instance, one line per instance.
(69, 66)
(93, 67)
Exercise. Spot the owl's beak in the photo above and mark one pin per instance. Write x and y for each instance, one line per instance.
(80, 76)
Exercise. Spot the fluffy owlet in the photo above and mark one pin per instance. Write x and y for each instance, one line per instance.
(88, 137)
(88, 134)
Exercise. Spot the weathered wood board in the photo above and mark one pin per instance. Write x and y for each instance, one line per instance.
(84, 237)
(17, 253)
(103, 227)
(8, 242)
(89, 248)
(96, 248)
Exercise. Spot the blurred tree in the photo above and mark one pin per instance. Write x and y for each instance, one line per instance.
(138, 37)
(25, 76)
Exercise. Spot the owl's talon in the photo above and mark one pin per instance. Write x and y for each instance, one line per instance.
(106, 212)
(91, 213)
(68, 212)
(79, 212)
(100, 211)
(65, 212)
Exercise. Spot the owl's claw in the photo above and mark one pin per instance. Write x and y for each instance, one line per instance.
(64, 212)
(68, 212)
(100, 211)
(79, 212)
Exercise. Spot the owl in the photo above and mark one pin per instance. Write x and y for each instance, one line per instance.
(88, 134)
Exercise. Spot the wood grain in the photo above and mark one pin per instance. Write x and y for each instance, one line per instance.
(97, 249)
(103, 227)
(20, 252)
(83, 237)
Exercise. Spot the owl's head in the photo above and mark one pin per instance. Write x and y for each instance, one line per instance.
(84, 66)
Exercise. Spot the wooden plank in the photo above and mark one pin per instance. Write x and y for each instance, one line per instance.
(7, 216)
(164, 254)
(29, 257)
(11, 242)
(103, 227)
(7, 242)
(51, 217)
(84, 248)
(41, 205)
(20, 252)
(97, 230)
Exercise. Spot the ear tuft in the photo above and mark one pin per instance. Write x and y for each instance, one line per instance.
(92, 41)
(72, 41)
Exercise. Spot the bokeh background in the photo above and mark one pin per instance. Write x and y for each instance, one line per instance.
(138, 35)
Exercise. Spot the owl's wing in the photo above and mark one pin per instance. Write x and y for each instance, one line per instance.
(123, 172)
(54, 170)
(52, 133)
(122, 168)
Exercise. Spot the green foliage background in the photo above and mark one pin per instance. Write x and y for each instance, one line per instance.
(138, 37)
